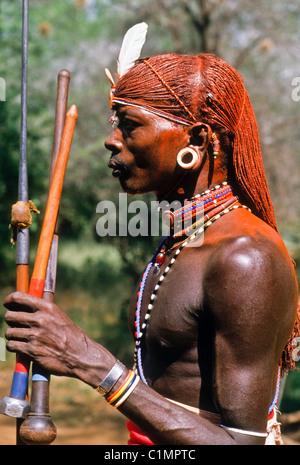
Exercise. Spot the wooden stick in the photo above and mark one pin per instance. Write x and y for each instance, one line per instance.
(37, 281)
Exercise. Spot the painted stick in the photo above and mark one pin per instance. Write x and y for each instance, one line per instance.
(38, 427)
(16, 405)
(37, 281)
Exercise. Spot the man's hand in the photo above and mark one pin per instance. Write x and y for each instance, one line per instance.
(42, 331)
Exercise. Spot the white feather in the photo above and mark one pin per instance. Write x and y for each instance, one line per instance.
(132, 44)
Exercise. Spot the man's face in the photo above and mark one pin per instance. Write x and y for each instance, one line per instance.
(144, 149)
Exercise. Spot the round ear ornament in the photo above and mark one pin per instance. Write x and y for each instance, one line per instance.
(188, 152)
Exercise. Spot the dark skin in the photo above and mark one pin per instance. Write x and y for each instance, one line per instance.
(221, 317)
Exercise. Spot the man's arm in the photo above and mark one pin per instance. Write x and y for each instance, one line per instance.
(252, 293)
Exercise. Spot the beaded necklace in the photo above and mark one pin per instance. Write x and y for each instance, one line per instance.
(195, 212)
(197, 207)
(214, 211)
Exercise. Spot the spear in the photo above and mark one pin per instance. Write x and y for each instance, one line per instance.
(16, 405)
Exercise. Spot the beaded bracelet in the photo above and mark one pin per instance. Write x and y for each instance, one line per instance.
(127, 387)
(121, 389)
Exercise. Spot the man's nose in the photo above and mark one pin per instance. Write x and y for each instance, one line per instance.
(114, 143)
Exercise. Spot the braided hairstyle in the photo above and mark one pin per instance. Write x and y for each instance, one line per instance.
(206, 88)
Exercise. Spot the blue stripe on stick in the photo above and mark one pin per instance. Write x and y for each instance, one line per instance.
(19, 385)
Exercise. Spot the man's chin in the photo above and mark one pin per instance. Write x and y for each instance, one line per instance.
(128, 187)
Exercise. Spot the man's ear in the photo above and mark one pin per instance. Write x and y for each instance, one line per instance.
(200, 135)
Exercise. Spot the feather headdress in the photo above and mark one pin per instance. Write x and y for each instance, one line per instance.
(131, 47)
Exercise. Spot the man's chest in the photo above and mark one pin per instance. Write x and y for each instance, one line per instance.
(165, 309)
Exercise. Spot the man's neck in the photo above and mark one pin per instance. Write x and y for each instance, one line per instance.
(193, 184)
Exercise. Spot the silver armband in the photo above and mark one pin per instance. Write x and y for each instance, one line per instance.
(111, 379)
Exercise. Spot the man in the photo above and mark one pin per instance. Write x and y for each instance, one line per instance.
(216, 306)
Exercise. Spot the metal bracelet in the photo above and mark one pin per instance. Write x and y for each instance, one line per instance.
(111, 378)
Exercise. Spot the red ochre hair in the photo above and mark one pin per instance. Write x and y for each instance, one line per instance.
(206, 88)
(210, 90)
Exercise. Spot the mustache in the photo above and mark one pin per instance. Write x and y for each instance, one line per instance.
(120, 169)
(116, 163)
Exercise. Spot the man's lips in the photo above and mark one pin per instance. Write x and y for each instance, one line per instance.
(118, 166)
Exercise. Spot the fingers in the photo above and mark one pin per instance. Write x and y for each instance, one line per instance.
(19, 301)
(23, 340)
(13, 318)
(23, 309)
(20, 334)
(17, 346)
(17, 339)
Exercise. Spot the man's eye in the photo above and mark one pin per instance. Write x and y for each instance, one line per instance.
(128, 122)
(128, 125)
(123, 123)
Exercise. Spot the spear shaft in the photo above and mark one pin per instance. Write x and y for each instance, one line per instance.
(23, 241)
(22, 248)
(16, 405)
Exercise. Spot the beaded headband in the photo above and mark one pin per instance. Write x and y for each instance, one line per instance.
(155, 111)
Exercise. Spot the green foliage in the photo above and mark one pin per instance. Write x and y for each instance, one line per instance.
(291, 397)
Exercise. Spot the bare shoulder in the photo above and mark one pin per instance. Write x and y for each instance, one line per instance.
(246, 245)
(250, 272)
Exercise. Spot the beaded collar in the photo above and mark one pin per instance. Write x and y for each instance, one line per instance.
(183, 220)
(213, 204)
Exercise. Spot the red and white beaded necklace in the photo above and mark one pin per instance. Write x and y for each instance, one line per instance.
(213, 204)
